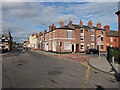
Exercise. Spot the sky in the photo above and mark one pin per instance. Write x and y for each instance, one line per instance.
(33, 16)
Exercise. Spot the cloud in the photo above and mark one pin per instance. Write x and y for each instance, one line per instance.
(64, 18)
(25, 18)
(24, 13)
(98, 12)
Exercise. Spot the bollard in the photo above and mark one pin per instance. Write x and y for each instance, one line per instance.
(113, 59)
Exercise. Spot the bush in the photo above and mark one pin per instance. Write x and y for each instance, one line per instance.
(116, 53)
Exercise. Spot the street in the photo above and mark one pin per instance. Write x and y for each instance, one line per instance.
(28, 69)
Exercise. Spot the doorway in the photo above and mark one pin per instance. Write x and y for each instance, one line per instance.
(73, 48)
(77, 47)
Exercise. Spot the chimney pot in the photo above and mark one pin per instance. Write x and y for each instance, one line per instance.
(107, 27)
(90, 23)
(61, 23)
(50, 28)
(98, 25)
(70, 23)
(81, 23)
(53, 27)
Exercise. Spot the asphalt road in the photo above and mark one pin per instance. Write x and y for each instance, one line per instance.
(32, 70)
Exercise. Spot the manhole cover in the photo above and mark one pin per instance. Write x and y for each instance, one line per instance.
(54, 72)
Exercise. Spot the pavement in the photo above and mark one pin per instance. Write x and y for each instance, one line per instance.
(103, 65)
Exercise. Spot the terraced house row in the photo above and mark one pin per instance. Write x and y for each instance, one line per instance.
(74, 38)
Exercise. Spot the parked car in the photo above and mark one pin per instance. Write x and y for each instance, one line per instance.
(92, 51)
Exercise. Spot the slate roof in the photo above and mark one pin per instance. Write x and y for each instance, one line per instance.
(78, 26)
(112, 33)
(66, 27)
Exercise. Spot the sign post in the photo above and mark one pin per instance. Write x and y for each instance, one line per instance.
(99, 43)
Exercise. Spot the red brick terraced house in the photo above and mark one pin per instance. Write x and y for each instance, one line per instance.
(111, 37)
(118, 13)
(72, 37)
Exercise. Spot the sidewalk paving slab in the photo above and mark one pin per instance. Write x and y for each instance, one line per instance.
(103, 65)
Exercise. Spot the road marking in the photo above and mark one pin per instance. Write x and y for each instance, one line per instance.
(86, 77)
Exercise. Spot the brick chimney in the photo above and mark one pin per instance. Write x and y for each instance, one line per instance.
(70, 23)
(53, 27)
(81, 23)
(98, 25)
(90, 23)
(107, 27)
(61, 23)
(45, 31)
(50, 28)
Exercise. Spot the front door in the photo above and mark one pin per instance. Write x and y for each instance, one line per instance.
(77, 47)
(73, 48)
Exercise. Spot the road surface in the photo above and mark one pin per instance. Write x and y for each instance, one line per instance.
(27, 69)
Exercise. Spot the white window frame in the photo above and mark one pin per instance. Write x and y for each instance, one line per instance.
(80, 38)
(54, 45)
(67, 33)
(111, 39)
(83, 47)
(92, 39)
(92, 31)
(92, 44)
(67, 47)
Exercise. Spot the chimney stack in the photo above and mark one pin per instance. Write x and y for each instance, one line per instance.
(50, 28)
(53, 27)
(90, 23)
(81, 23)
(61, 23)
(107, 27)
(70, 23)
(98, 25)
(45, 31)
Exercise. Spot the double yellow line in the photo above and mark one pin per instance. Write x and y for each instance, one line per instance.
(86, 77)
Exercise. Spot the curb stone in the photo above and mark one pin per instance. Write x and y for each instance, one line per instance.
(100, 69)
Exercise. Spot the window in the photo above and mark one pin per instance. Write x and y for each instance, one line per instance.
(67, 45)
(69, 34)
(92, 45)
(82, 38)
(87, 47)
(92, 38)
(82, 31)
(54, 45)
(92, 31)
(101, 38)
(111, 45)
(102, 47)
(111, 39)
(82, 46)
(101, 32)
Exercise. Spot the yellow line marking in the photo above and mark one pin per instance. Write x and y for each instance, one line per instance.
(86, 76)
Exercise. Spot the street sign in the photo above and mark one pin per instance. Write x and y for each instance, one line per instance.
(99, 40)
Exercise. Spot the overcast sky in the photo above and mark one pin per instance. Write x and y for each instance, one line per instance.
(25, 18)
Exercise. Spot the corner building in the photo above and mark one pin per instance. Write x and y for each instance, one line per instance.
(72, 37)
